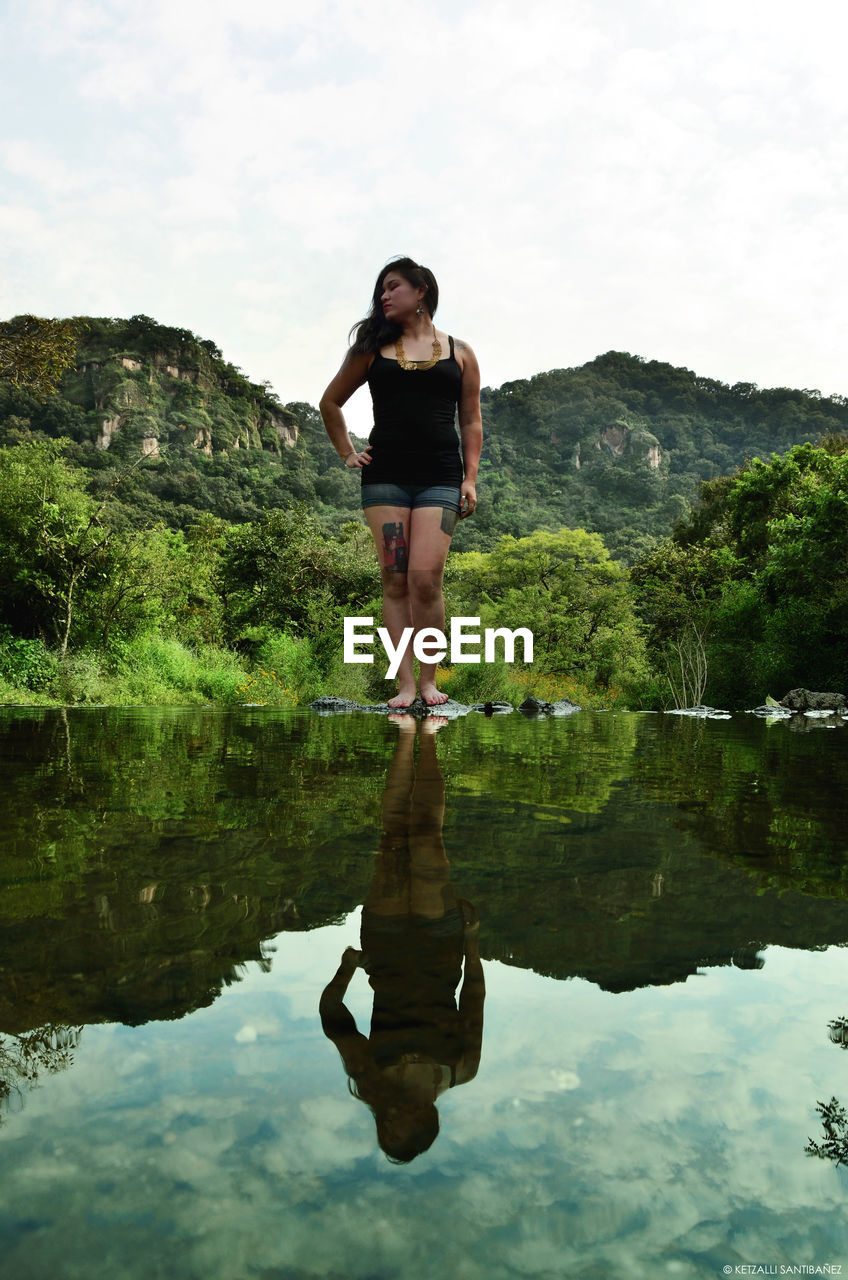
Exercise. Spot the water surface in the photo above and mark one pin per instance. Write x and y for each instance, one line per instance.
(662, 927)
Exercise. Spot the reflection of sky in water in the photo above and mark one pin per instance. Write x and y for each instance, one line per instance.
(656, 1132)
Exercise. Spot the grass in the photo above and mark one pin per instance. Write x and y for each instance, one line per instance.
(497, 682)
(281, 671)
(158, 671)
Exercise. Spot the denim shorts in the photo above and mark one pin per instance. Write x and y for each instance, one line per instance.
(411, 495)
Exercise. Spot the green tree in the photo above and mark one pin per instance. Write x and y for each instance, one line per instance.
(760, 570)
(158, 580)
(283, 571)
(54, 543)
(564, 587)
(35, 353)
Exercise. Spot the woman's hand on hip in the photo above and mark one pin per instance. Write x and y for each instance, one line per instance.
(355, 460)
(467, 499)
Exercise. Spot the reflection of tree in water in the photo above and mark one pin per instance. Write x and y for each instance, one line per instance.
(834, 1146)
(838, 1031)
(417, 937)
(23, 1058)
(834, 1117)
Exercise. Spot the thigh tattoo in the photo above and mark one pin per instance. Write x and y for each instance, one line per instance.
(396, 556)
(449, 519)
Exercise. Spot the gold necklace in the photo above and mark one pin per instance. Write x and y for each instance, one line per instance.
(418, 364)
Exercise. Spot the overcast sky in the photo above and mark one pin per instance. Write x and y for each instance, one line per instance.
(658, 177)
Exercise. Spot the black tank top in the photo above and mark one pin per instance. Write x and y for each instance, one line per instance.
(414, 439)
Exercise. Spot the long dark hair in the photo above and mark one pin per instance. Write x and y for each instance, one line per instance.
(405, 1127)
(375, 331)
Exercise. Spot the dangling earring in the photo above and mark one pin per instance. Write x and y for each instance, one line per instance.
(420, 310)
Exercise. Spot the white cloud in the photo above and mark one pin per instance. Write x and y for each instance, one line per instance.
(666, 179)
(679, 1133)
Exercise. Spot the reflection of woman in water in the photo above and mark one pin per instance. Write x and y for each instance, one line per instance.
(415, 935)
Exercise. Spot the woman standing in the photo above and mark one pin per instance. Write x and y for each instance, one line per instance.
(415, 484)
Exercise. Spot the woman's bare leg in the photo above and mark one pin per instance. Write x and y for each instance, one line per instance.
(411, 871)
(430, 538)
(390, 527)
(389, 894)
(431, 892)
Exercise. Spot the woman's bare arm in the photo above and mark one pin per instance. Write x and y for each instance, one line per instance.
(472, 997)
(351, 376)
(470, 425)
(336, 1019)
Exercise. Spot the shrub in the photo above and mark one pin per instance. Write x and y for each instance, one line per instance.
(25, 663)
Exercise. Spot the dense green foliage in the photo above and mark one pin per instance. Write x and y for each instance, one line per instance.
(574, 599)
(37, 353)
(618, 446)
(212, 440)
(621, 445)
(274, 591)
(160, 498)
(760, 570)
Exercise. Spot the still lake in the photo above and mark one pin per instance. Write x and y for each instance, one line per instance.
(659, 909)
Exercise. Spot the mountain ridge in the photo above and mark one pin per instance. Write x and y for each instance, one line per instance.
(619, 445)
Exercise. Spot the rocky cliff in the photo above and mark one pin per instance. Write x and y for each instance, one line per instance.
(144, 387)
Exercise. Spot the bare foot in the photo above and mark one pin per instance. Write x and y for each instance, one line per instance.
(431, 725)
(432, 696)
(408, 723)
(404, 698)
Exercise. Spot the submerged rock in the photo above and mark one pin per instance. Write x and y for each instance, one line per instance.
(329, 706)
(702, 713)
(565, 707)
(806, 700)
(533, 707)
